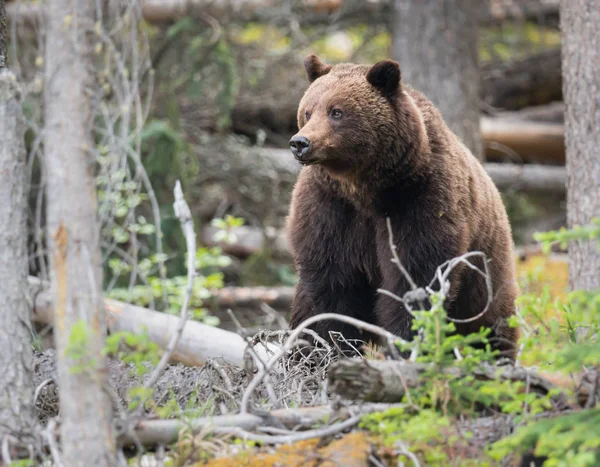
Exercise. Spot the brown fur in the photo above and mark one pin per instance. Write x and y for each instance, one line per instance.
(391, 155)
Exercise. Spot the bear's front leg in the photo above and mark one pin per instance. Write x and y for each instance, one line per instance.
(421, 251)
(334, 253)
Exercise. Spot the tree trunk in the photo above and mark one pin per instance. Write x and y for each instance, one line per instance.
(580, 24)
(16, 383)
(3, 36)
(73, 236)
(436, 44)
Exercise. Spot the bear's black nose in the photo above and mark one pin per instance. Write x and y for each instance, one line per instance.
(300, 147)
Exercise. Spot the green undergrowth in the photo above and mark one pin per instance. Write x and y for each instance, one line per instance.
(559, 335)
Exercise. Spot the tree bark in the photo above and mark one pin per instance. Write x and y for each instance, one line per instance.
(16, 384)
(436, 44)
(580, 25)
(3, 36)
(73, 236)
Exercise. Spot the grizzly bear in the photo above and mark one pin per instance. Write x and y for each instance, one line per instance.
(374, 149)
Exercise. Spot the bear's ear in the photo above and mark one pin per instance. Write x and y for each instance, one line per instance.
(315, 68)
(385, 76)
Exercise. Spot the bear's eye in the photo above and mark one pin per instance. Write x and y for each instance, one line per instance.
(307, 116)
(337, 114)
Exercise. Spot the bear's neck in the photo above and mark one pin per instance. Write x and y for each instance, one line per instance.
(382, 185)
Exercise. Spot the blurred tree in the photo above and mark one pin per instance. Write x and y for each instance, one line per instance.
(580, 25)
(3, 36)
(435, 42)
(16, 385)
(73, 235)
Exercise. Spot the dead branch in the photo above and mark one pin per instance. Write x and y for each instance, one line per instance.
(292, 340)
(182, 212)
(387, 380)
(153, 432)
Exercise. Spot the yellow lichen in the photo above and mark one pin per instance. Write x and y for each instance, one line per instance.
(538, 271)
(351, 450)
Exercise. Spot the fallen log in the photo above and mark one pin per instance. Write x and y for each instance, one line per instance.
(271, 106)
(309, 12)
(280, 296)
(164, 432)
(537, 178)
(198, 341)
(250, 240)
(527, 177)
(530, 141)
(388, 380)
(530, 81)
(554, 112)
(250, 297)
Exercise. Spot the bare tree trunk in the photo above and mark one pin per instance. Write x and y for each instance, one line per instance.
(73, 236)
(435, 42)
(16, 384)
(580, 25)
(3, 36)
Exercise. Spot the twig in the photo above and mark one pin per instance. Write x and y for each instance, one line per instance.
(287, 439)
(41, 386)
(51, 440)
(166, 431)
(274, 316)
(403, 451)
(443, 277)
(396, 259)
(6, 459)
(289, 344)
(182, 211)
(215, 366)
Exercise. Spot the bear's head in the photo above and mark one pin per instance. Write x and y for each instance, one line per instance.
(350, 116)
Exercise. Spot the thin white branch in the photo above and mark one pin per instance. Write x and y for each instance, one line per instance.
(182, 211)
(290, 342)
(291, 438)
(396, 259)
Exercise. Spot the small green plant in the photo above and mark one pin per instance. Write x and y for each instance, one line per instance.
(571, 439)
(451, 389)
(22, 463)
(209, 263)
(135, 349)
(563, 236)
(78, 348)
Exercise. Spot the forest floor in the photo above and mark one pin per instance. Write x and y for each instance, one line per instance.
(300, 400)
